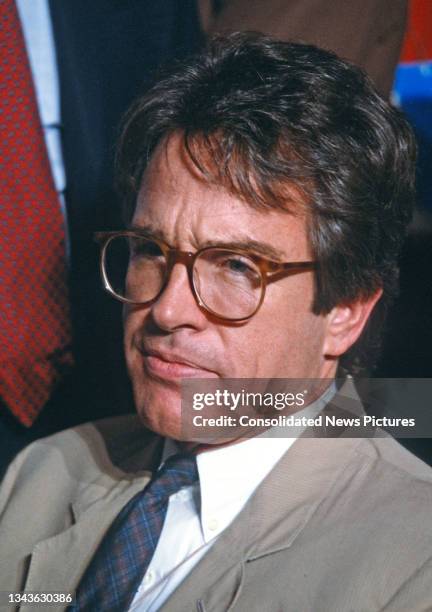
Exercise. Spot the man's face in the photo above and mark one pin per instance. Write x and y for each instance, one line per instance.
(173, 338)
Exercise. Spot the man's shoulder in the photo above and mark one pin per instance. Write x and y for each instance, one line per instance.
(379, 455)
(390, 460)
(391, 490)
(390, 481)
(110, 448)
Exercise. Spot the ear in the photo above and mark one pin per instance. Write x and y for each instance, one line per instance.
(345, 323)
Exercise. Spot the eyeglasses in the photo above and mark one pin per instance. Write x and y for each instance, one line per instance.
(228, 283)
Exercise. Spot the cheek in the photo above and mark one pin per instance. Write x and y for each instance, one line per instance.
(285, 338)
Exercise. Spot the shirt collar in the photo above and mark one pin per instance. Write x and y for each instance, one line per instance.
(229, 475)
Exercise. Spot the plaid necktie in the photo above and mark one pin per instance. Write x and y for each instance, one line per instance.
(35, 331)
(118, 567)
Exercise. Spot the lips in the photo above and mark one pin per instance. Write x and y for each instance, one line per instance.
(172, 366)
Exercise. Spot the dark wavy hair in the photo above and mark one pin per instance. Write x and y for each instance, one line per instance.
(258, 116)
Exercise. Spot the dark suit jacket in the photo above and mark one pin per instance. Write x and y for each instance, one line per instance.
(107, 54)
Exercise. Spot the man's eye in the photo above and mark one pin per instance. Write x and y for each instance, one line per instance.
(239, 266)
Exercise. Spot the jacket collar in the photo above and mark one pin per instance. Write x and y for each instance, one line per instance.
(58, 563)
(121, 468)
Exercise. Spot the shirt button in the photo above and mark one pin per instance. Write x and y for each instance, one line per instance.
(213, 524)
(149, 578)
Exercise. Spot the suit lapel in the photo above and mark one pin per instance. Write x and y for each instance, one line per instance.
(217, 578)
(58, 563)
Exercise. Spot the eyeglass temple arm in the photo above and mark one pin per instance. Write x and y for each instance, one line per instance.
(295, 267)
(101, 237)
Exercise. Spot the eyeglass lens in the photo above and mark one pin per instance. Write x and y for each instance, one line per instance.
(228, 283)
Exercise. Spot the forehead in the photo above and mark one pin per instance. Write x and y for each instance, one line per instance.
(178, 203)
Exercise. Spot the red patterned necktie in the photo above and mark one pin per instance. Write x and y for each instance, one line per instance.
(35, 335)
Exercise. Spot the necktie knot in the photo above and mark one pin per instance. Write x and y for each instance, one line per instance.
(178, 471)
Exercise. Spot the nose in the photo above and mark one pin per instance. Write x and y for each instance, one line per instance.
(176, 307)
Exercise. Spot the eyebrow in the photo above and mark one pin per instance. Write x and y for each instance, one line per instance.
(148, 232)
(254, 246)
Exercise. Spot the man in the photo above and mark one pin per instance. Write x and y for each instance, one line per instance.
(267, 189)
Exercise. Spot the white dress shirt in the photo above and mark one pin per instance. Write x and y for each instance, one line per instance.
(198, 514)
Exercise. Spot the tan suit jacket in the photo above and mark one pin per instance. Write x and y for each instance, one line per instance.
(367, 32)
(339, 525)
